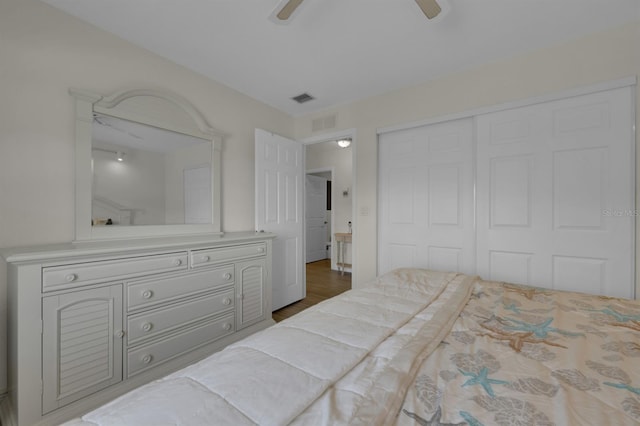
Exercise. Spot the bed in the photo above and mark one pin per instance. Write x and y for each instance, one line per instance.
(415, 347)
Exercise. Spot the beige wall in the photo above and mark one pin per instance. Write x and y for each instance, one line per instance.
(597, 58)
(136, 183)
(44, 52)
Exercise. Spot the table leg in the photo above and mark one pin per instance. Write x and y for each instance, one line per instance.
(343, 246)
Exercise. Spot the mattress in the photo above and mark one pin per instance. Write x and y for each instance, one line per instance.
(415, 347)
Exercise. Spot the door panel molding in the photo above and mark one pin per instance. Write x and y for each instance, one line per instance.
(554, 181)
(279, 177)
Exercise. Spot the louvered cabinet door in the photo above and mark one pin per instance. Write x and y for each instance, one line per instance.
(82, 344)
(251, 276)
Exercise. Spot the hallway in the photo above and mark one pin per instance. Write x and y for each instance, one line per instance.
(322, 284)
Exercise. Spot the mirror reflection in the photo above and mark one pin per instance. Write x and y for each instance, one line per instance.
(144, 175)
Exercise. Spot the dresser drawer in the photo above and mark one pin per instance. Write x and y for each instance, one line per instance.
(67, 276)
(149, 292)
(148, 356)
(226, 254)
(153, 323)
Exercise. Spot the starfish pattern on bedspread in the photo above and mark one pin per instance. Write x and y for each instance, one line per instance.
(619, 317)
(592, 364)
(527, 292)
(471, 421)
(512, 307)
(482, 379)
(540, 330)
(518, 310)
(433, 421)
(516, 340)
(623, 386)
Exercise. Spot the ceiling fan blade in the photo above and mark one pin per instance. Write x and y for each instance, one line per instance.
(430, 8)
(287, 10)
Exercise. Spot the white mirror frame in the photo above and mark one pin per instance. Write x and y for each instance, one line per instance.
(86, 103)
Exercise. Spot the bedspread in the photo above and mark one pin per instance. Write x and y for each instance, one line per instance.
(526, 356)
(355, 353)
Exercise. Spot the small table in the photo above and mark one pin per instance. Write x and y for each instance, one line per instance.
(341, 239)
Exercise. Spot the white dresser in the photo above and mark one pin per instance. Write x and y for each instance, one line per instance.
(89, 321)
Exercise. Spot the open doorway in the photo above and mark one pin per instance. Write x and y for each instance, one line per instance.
(328, 160)
(318, 214)
(328, 211)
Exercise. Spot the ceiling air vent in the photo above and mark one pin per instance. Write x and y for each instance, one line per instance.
(302, 98)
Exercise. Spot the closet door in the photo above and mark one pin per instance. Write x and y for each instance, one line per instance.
(555, 194)
(425, 196)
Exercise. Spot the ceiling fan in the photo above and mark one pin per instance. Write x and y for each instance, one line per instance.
(286, 8)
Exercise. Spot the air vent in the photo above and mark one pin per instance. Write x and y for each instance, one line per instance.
(302, 98)
(323, 123)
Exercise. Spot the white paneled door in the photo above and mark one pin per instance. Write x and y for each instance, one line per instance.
(426, 198)
(316, 215)
(279, 173)
(555, 194)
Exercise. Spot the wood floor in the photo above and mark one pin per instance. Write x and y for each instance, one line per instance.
(322, 284)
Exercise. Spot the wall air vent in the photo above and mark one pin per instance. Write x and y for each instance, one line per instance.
(323, 123)
(302, 98)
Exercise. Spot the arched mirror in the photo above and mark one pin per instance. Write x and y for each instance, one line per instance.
(147, 164)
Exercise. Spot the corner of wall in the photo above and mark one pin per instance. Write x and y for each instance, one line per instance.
(3, 328)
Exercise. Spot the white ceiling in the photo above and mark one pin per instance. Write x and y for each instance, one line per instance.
(342, 50)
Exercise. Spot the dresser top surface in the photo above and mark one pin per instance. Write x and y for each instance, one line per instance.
(85, 248)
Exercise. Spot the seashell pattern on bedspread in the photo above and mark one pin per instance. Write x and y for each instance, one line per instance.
(519, 355)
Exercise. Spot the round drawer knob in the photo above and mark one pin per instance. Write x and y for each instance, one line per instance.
(205, 258)
(227, 326)
(227, 276)
(147, 326)
(147, 294)
(226, 301)
(177, 262)
(147, 359)
(71, 278)
(260, 249)
(120, 334)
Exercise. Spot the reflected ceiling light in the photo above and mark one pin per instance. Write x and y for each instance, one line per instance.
(343, 143)
(119, 154)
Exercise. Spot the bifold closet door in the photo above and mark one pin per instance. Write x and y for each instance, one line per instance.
(555, 194)
(425, 196)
